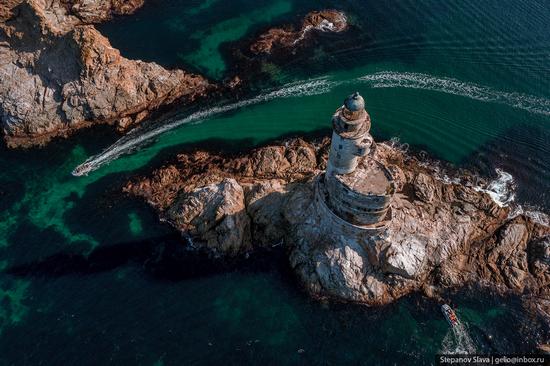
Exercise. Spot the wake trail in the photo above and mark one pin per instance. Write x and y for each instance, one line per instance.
(138, 136)
(384, 79)
(390, 79)
(458, 341)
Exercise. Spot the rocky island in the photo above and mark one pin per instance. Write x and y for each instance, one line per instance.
(323, 248)
(362, 221)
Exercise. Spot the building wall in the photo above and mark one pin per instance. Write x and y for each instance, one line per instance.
(353, 206)
(344, 154)
(339, 226)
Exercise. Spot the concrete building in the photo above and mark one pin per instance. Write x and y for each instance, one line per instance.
(356, 189)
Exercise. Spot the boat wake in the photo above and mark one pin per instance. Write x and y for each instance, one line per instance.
(386, 79)
(458, 341)
(390, 79)
(139, 136)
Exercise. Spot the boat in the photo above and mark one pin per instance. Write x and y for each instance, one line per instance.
(450, 315)
(82, 169)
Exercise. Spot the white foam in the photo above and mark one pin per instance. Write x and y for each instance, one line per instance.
(458, 341)
(385, 79)
(139, 136)
(538, 217)
(390, 79)
(501, 189)
(533, 213)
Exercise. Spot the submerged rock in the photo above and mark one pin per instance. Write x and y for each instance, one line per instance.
(58, 73)
(288, 36)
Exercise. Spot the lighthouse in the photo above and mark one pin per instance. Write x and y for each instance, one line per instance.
(356, 189)
(350, 136)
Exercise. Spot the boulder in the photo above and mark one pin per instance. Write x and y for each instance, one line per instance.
(405, 257)
(264, 202)
(214, 216)
(424, 188)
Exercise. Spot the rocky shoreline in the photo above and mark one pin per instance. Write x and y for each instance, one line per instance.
(445, 232)
(59, 74)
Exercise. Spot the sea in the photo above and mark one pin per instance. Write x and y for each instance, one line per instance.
(89, 276)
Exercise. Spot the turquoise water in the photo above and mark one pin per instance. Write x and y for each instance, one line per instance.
(89, 276)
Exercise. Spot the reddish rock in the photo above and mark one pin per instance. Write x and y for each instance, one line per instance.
(215, 215)
(441, 234)
(288, 36)
(58, 74)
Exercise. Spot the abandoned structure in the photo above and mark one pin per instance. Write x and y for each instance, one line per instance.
(356, 190)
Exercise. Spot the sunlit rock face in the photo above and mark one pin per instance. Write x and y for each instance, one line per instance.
(444, 230)
(215, 214)
(59, 74)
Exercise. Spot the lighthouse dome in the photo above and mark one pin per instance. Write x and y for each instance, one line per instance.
(354, 102)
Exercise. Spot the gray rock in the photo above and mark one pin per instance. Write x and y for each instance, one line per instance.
(215, 215)
(405, 257)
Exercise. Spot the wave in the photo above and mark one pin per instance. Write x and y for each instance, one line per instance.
(501, 189)
(139, 136)
(390, 79)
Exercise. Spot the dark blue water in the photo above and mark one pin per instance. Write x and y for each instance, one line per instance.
(90, 277)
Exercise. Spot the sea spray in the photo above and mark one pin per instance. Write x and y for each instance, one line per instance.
(457, 341)
(501, 189)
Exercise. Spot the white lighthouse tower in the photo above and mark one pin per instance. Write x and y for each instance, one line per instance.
(356, 188)
(350, 137)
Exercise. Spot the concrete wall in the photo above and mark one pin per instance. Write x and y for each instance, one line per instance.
(355, 207)
(339, 226)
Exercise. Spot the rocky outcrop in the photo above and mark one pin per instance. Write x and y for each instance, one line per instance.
(288, 36)
(58, 74)
(87, 11)
(264, 176)
(95, 11)
(5, 8)
(443, 232)
(215, 215)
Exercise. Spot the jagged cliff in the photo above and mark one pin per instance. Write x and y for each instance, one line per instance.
(443, 233)
(58, 73)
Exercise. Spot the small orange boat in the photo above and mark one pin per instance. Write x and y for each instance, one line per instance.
(450, 315)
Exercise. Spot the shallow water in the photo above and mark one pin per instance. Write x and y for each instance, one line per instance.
(90, 276)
